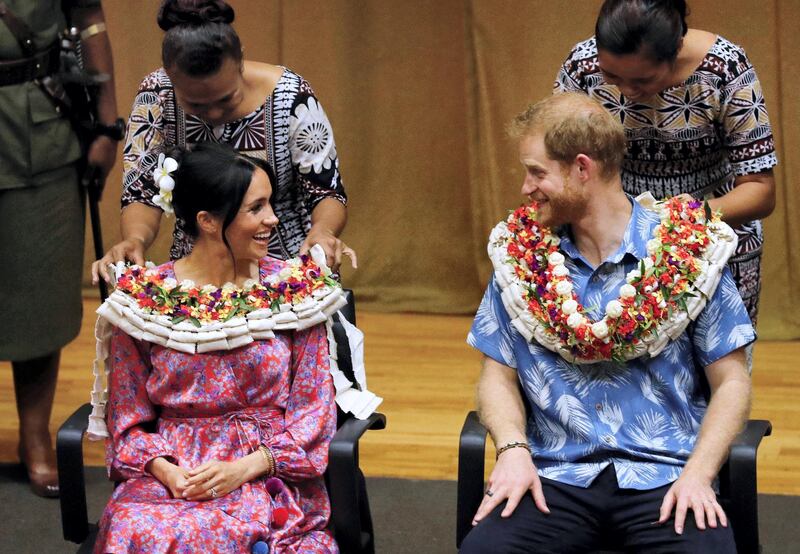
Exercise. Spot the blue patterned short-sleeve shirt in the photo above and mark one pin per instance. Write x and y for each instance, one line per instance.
(642, 416)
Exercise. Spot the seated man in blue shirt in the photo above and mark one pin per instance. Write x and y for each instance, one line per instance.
(601, 341)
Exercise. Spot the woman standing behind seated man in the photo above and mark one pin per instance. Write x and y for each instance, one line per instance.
(694, 117)
(197, 438)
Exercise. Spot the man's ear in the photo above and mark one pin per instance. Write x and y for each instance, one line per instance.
(207, 223)
(585, 166)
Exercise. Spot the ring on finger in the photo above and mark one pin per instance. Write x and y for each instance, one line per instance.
(489, 493)
(213, 492)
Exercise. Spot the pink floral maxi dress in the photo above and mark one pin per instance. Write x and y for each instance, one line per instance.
(221, 405)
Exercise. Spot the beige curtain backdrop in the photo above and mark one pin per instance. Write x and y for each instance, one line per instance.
(419, 92)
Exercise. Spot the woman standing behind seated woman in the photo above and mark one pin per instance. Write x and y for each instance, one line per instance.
(694, 117)
(216, 451)
(207, 92)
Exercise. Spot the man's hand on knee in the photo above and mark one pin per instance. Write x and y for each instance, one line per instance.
(513, 476)
(691, 492)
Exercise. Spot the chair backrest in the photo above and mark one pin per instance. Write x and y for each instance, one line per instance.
(344, 357)
(349, 311)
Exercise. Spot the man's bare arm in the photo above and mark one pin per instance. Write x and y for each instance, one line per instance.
(726, 415)
(502, 411)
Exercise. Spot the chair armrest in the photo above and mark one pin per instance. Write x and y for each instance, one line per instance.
(345, 485)
(471, 454)
(738, 484)
(69, 454)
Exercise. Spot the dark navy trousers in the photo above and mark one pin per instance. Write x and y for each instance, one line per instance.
(583, 520)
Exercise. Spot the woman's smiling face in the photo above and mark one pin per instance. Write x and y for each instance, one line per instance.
(249, 232)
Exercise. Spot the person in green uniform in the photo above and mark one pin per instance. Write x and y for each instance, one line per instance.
(41, 208)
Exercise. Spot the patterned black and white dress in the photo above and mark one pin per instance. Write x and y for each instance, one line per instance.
(695, 137)
(290, 130)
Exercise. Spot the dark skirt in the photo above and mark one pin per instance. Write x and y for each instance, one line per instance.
(41, 258)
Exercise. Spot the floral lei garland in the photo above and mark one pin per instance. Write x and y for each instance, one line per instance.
(688, 250)
(150, 306)
(157, 294)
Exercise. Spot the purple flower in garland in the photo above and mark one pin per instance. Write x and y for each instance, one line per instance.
(694, 204)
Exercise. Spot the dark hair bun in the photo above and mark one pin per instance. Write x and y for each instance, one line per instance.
(193, 12)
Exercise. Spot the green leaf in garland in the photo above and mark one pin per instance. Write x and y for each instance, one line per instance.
(707, 210)
(195, 322)
(231, 315)
(177, 319)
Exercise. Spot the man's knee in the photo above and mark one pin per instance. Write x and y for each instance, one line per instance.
(478, 541)
(493, 536)
(526, 531)
(691, 541)
(496, 535)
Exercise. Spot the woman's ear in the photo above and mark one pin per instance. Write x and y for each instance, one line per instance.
(208, 223)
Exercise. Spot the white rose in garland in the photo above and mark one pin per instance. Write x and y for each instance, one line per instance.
(556, 258)
(563, 288)
(627, 291)
(569, 306)
(576, 320)
(614, 309)
(560, 270)
(600, 329)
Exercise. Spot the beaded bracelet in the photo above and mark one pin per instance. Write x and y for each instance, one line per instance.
(269, 458)
(510, 445)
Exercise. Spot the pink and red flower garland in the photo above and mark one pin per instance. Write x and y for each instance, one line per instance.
(654, 292)
(158, 294)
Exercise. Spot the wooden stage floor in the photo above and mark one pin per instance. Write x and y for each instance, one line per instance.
(426, 373)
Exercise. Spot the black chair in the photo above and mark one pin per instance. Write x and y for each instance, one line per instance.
(737, 481)
(351, 520)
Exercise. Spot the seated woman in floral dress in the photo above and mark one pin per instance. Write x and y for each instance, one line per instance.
(220, 404)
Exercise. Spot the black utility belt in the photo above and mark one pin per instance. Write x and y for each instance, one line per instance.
(23, 70)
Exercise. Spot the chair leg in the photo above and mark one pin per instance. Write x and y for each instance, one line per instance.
(366, 516)
(471, 466)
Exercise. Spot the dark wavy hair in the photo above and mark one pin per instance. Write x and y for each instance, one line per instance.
(199, 36)
(653, 27)
(213, 178)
